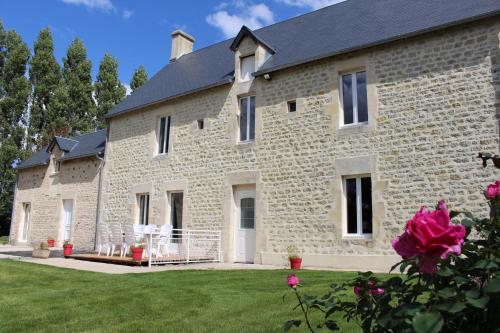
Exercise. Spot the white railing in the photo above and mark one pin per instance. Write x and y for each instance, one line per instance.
(184, 246)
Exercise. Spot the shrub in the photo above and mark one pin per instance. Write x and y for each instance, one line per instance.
(450, 279)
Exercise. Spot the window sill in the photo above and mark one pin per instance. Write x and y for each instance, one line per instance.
(368, 238)
(245, 144)
(355, 128)
(160, 157)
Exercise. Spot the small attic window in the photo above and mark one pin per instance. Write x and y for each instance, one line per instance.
(292, 106)
(247, 67)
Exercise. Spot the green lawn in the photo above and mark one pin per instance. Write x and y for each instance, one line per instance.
(4, 239)
(36, 298)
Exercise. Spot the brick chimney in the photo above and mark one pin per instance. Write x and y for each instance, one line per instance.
(182, 43)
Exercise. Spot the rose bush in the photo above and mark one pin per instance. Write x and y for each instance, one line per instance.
(449, 282)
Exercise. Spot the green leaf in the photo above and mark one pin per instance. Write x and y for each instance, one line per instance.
(454, 213)
(447, 292)
(485, 264)
(445, 271)
(478, 302)
(289, 324)
(492, 286)
(332, 325)
(451, 307)
(430, 322)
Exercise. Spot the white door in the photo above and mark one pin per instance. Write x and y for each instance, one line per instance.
(26, 222)
(245, 225)
(68, 218)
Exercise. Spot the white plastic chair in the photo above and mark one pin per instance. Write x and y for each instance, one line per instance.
(129, 238)
(139, 232)
(164, 239)
(104, 240)
(116, 237)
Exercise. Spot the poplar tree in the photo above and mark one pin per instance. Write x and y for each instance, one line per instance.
(139, 78)
(109, 91)
(78, 81)
(14, 95)
(45, 77)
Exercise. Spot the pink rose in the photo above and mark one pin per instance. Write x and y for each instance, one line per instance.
(430, 235)
(377, 291)
(492, 190)
(357, 290)
(293, 281)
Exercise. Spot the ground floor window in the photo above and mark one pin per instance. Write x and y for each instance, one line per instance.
(358, 205)
(176, 203)
(143, 202)
(25, 221)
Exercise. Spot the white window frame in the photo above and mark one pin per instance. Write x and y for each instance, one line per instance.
(25, 222)
(248, 98)
(166, 139)
(359, 225)
(248, 76)
(354, 99)
(145, 213)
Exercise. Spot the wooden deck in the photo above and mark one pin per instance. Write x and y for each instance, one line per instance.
(109, 259)
(127, 260)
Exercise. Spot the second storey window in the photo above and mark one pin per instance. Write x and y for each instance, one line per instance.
(143, 201)
(353, 98)
(358, 205)
(247, 118)
(247, 67)
(163, 134)
(57, 165)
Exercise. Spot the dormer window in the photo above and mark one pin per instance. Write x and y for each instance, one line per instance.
(247, 67)
(57, 165)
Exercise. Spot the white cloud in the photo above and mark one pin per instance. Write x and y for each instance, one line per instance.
(313, 4)
(254, 16)
(126, 14)
(128, 90)
(105, 5)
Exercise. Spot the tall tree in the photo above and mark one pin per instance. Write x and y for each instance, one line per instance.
(15, 91)
(78, 80)
(45, 77)
(109, 91)
(139, 78)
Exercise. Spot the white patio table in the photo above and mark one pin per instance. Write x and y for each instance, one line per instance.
(150, 231)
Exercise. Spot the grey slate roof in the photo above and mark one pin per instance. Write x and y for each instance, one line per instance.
(333, 30)
(80, 146)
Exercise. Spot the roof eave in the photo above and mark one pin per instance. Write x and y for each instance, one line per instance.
(217, 84)
(81, 156)
(377, 43)
(21, 167)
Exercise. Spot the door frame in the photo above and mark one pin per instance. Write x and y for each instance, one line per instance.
(238, 195)
(63, 220)
(24, 224)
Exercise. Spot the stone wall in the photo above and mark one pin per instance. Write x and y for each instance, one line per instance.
(45, 190)
(431, 108)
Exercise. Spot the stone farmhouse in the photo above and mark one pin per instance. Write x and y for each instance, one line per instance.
(326, 131)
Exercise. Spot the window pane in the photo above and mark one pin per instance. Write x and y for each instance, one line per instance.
(243, 119)
(352, 225)
(247, 211)
(347, 98)
(362, 100)
(146, 210)
(141, 209)
(161, 136)
(167, 135)
(247, 68)
(292, 106)
(176, 206)
(366, 204)
(252, 117)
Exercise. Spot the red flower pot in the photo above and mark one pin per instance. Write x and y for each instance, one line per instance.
(137, 253)
(50, 242)
(295, 263)
(67, 249)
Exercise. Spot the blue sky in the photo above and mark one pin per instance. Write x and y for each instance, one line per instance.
(138, 32)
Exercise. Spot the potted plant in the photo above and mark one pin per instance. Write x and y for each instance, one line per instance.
(41, 251)
(294, 257)
(137, 251)
(50, 241)
(67, 248)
